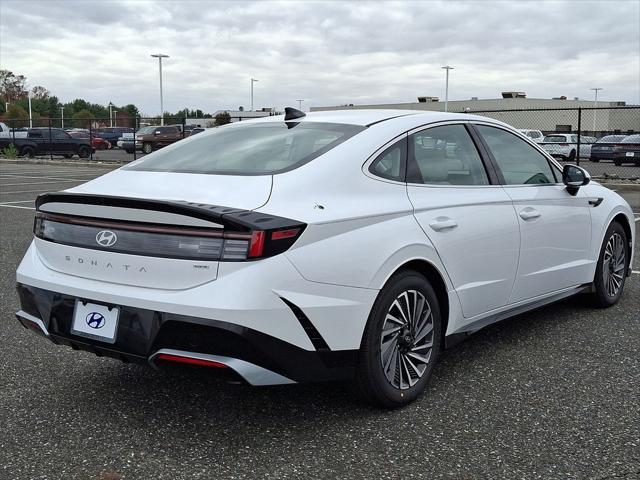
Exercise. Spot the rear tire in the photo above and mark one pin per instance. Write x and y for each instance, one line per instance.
(399, 349)
(617, 163)
(66, 155)
(84, 152)
(595, 160)
(572, 156)
(128, 150)
(28, 152)
(611, 271)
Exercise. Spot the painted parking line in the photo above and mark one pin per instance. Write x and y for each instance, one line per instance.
(39, 183)
(16, 206)
(9, 177)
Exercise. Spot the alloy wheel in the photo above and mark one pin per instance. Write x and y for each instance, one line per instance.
(406, 342)
(614, 262)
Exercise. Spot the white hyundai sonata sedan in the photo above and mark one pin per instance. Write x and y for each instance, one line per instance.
(347, 245)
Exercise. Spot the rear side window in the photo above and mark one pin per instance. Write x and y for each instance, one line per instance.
(519, 162)
(445, 156)
(251, 149)
(390, 164)
(555, 138)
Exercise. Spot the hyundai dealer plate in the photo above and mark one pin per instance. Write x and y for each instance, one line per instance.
(95, 321)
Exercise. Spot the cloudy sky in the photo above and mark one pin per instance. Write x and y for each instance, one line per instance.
(328, 53)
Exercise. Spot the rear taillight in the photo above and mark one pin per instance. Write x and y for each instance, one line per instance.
(168, 241)
(564, 144)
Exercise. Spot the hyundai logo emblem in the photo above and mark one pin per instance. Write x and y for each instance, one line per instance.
(95, 320)
(106, 238)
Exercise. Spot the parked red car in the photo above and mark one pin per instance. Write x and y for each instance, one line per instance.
(96, 142)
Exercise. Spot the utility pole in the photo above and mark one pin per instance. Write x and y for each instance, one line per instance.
(115, 115)
(300, 103)
(446, 90)
(595, 105)
(110, 114)
(252, 81)
(160, 56)
(62, 111)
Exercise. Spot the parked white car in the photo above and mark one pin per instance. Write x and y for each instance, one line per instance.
(563, 146)
(346, 245)
(535, 135)
(5, 132)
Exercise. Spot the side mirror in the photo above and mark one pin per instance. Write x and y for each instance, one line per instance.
(574, 177)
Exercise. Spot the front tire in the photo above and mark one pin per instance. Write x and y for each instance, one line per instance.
(611, 271)
(147, 147)
(401, 342)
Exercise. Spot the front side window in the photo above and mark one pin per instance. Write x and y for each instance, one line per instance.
(445, 156)
(59, 134)
(519, 162)
(251, 149)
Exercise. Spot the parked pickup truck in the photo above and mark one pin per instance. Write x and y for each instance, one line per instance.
(151, 138)
(45, 141)
(5, 132)
(563, 146)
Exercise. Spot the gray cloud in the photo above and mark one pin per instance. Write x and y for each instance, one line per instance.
(325, 52)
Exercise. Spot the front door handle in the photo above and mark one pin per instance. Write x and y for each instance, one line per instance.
(529, 213)
(443, 223)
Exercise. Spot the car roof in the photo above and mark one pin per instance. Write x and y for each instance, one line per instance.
(366, 117)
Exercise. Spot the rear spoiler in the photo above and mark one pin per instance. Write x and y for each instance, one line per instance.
(232, 218)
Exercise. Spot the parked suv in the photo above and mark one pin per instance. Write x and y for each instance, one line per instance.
(150, 139)
(605, 147)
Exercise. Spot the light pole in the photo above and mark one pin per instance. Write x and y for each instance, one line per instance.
(110, 114)
(446, 88)
(160, 56)
(30, 117)
(62, 112)
(115, 115)
(300, 103)
(252, 82)
(595, 105)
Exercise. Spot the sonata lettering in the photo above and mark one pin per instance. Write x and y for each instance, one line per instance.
(96, 263)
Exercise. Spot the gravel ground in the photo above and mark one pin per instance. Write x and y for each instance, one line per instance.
(554, 393)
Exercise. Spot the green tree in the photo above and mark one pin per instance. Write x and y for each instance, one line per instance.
(223, 118)
(82, 119)
(16, 116)
(12, 87)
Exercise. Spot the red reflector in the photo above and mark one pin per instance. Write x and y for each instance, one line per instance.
(257, 244)
(166, 357)
(284, 234)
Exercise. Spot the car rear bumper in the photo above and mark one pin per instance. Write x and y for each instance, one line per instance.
(145, 336)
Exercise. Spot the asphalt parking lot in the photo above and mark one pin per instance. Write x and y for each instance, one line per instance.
(551, 394)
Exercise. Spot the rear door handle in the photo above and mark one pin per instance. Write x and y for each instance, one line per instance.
(443, 223)
(529, 213)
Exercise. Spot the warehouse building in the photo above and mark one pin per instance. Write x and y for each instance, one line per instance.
(549, 115)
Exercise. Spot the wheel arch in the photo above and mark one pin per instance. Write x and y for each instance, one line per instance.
(624, 221)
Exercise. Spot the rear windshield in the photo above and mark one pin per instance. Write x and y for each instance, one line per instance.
(252, 149)
(631, 139)
(610, 139)
(555, 138)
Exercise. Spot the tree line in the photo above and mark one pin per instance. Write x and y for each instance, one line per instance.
(45, 107)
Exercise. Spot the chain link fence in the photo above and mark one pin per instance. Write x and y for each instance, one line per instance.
(605, 141)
